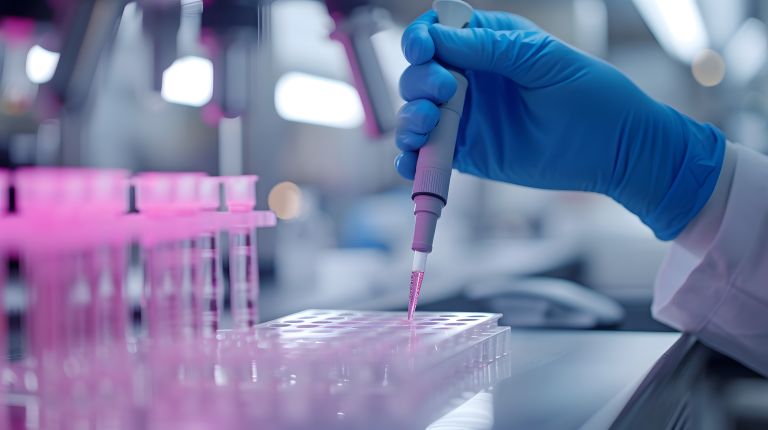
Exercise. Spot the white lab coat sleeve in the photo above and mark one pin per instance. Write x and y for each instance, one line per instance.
(714, 281)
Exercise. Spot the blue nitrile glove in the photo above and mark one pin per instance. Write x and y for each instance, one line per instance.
(542, 114)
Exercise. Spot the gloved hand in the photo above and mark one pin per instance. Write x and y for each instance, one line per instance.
(542, 114)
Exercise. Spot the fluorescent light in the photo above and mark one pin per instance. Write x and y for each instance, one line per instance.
(310, 49)
(747, 51)
(315, 100)
(41, 64)
(188, 81)
(677, 25)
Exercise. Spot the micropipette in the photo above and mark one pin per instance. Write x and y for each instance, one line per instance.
(433, 168)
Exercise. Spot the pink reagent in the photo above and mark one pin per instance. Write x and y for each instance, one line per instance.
(416, 279)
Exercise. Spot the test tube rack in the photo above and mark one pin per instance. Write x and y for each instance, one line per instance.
(70, 233)
(85, 363)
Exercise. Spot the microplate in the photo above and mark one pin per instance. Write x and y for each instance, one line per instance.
(379, 370)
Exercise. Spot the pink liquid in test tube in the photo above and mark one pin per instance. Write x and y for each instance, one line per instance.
(163, 290)
(51, 200)
(164, 197)
(243, 273)
(243, 277)
(3, 335)
(208, 292)
(80, 304)
(417, 277)
(107, 198)
(188, 193)
(4, 179)
(106, 278)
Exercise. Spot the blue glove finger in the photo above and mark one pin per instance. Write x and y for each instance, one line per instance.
(519, 54)
(416, 43)
(429, 81)
(410, 141)
(405, 164)
(419, 116)
(415, 120)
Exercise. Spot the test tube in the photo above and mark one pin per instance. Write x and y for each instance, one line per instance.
(107, 201)
(168, 200)
(47, 199)
(34, 195)
(154, 197)
(66, 222)
(77, 243)
(37, 192)
(3, 316)
(240, 194)
(51, 321)
(209, 295)
(186, 266)
(4, 188)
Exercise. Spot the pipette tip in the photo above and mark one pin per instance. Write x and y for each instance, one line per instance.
(416, 279)
(417, 276)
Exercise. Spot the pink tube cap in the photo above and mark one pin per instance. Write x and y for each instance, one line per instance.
(159, 193)
(240, 192)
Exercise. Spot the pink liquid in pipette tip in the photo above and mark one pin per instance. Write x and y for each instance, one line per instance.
(416, 279)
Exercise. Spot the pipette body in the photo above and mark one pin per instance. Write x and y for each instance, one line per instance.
(435, 162)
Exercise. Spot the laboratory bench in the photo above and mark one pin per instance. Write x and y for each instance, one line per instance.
(617, 380)
(639, 374)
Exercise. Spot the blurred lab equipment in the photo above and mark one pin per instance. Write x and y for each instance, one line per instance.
(547, 302)
(232, 30)
(355, 22)
(81, 32)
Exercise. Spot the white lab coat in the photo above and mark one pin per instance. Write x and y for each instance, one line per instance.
(714, 282)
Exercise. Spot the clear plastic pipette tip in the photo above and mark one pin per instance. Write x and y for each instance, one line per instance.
(417, 277)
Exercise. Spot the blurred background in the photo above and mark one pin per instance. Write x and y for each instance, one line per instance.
(304, 94)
